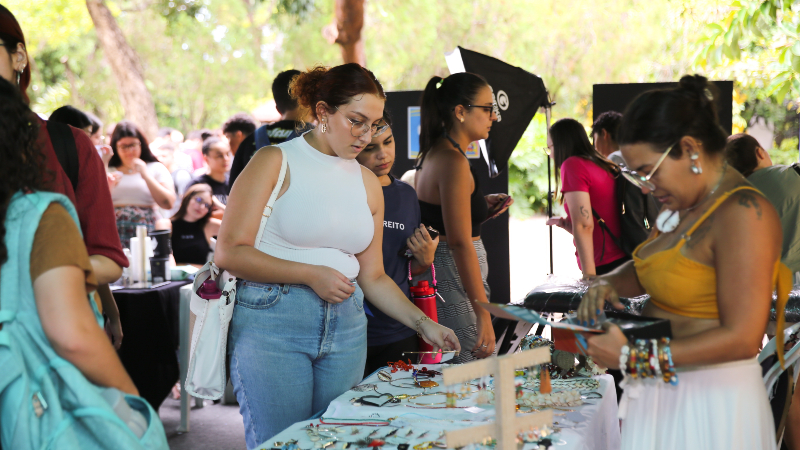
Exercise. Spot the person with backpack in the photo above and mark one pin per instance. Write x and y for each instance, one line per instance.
(590, 191)
(51, 342)
(72, 161)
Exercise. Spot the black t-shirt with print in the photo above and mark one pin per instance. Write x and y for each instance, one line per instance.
(219, 190)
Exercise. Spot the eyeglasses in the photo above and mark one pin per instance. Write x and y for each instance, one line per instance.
(129, 147)
(358, 129)
(643, 181)
(488, 109)
(200, 201)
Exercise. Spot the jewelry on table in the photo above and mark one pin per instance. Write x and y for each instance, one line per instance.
(384, 376)
(365, 387)
(414, 397)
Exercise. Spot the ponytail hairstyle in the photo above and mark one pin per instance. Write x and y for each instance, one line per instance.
(439, 99)
(570, 139)
(662, 117)
(741, 153)
(335, 86)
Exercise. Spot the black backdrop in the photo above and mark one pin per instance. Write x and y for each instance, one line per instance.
(615, 97)
(494, 232)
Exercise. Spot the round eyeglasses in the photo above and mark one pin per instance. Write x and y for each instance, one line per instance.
(643, 181)
(358, 129)
(201, 202)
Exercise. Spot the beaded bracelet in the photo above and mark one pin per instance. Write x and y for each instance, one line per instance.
(623, 360)
(419, 322)
(654, 359)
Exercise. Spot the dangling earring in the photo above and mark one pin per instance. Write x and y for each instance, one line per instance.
(19, 76)
(324, 127)
(697, 170)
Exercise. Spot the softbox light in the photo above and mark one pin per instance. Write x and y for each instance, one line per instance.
(518, 94)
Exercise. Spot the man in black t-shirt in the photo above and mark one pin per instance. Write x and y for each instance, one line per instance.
(284, 130)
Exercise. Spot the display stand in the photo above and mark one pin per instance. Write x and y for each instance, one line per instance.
(507, 423)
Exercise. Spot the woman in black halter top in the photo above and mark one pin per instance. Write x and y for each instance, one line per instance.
(193, 227)
(456, 111)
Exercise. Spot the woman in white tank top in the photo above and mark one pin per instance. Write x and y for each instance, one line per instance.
(298, 333)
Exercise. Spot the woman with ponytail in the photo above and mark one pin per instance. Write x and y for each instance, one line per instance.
(298, 337)
(710, 268)
(457, 111)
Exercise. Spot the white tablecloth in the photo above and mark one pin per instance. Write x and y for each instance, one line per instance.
(592, 426)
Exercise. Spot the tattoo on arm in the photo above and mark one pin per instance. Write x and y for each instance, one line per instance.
(584, 212)
(748, 200)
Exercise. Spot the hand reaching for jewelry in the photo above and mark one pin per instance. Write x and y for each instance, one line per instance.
(440, 337)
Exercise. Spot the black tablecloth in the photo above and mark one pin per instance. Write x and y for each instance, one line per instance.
(150, 326)
(567, 298)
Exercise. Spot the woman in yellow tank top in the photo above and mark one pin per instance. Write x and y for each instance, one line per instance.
(710, 270)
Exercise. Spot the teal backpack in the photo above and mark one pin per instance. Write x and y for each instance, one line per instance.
(45, 401)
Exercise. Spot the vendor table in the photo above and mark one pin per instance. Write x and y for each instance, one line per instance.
(149, 320)
(592, 426)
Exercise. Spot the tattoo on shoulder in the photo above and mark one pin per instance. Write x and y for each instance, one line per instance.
(749, 200)
(584, 212)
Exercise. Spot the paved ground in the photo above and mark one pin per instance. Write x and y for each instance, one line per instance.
(219, 427)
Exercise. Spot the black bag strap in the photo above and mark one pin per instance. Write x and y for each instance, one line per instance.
(605, 228)
(65, 149)
(796, 167)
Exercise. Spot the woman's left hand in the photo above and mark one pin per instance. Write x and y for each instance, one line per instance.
(494, 200)
(439, 336)
(606, 348)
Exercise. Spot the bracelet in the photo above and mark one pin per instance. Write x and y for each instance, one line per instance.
(419, 322)
(669, 373)
(655, 363)
(623, 360)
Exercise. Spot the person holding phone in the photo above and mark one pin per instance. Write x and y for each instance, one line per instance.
(456, 111)
(388, 339)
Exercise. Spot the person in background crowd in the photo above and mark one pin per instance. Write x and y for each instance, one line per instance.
(238, 127)
(604, 136)
(387, 338)
(171, 134)
(145, 183)
(588, 186)
(166, 153)
(281, 131)
(193, 147)
(709, 269)
(58, 264)
(74, 117)
(81, 120)
(779, 183)
(217, 154)
(298, 334)
(456, 111)
(193, 228)
(90, 195)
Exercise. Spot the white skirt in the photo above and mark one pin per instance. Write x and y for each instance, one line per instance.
(718, 407)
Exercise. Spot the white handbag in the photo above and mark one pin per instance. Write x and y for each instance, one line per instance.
(209, 319)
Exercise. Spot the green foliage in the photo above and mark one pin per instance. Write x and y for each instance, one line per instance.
(786, 153)
(527, 171)
(758, 39)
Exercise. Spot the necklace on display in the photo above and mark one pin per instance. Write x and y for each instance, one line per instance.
(669, 220)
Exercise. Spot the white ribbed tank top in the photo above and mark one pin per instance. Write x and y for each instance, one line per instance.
(323, 218)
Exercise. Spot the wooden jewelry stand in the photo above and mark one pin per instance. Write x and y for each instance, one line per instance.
(507, 424)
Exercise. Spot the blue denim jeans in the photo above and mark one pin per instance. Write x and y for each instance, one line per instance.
(291, 353)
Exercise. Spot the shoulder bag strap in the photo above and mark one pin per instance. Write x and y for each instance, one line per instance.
(268, 209)
(605, 228)
(796, 167)
(66, 151)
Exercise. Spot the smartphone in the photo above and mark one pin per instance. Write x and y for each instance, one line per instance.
(494, 212)
(407, 252)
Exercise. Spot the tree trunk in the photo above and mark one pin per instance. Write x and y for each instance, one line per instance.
(136, 99)
(349, 23)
